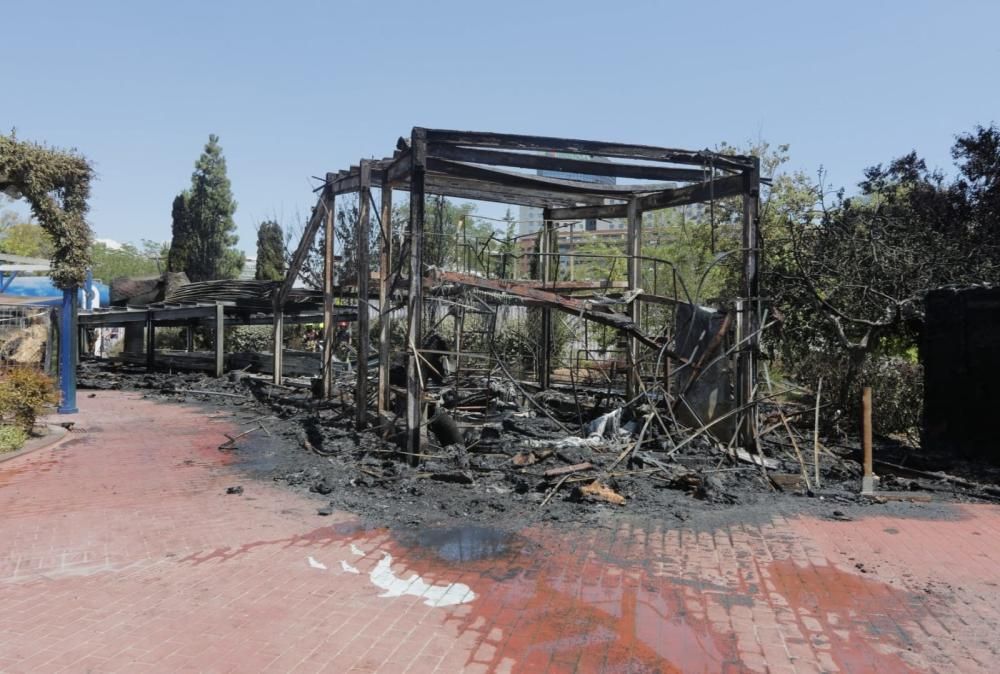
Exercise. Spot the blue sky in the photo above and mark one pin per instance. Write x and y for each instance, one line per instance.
(295, 89)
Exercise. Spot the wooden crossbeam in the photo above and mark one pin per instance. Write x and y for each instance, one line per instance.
(575, 146)
(542, 162)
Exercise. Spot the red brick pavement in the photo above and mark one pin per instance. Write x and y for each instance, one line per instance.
(120, 551)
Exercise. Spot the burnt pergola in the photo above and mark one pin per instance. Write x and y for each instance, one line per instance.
(497, 168)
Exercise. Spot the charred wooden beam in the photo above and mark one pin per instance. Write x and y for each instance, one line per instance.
(385, 318)
(634, 226)
(414, 388)
(508, 141)
(554, 301)
(544, 162)
(329, 235)
(692, 194)
(555, 188)
(364, 219)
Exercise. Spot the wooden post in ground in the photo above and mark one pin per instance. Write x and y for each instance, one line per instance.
(634, 226)
(545, 267)
(868, 480)
(150, 341)
(749, 305)
(364, 225)
(220, 340)
(326, 367)
(278, 340)
(385, 325)
(415, 230)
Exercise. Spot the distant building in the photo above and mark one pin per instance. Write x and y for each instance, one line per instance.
(249, 269)
(530, 217)
(530, 221)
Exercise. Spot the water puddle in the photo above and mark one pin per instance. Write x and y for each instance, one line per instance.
(467, 543)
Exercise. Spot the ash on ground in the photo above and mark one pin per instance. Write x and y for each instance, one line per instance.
(513, 464)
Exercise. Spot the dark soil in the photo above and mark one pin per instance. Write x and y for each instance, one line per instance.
(496, 477)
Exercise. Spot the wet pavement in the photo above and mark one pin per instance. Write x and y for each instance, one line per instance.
(120, 550)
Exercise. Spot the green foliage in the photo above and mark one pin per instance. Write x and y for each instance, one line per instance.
(346, 241)
(270, 252)
(56, 184)
(127, 261)
(848, 277)
(24, 392)
(12, 438)
(26, 238)
(244, 338)
(203, 230)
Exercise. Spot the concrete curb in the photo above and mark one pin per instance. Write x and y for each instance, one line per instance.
(55, 436)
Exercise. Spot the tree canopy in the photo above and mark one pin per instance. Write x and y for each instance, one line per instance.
(203, 242)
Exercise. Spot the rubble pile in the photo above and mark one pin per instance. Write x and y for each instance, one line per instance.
(525, 456)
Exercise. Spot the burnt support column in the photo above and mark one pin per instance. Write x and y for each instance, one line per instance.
(279, 339)
(545, 249)
(415, 230)
(385, 324)
(150, 341)
(364, 224)
(328, 327)
(220, 340)
(635, 306)
(748, 311)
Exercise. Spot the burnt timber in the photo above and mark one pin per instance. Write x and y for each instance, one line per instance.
(502, 168)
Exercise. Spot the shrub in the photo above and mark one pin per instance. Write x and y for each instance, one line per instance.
(256, 338)
(897, 390)
(11, 438)
(24, 392)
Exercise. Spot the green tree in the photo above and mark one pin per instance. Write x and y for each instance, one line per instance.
(270, 252)
(25, 238)
(126, 261)
(848, 274)
(204, 232)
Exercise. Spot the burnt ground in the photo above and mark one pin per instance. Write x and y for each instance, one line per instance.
(497, 474)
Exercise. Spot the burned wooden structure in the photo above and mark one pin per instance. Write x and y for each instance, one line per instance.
(507, 168)
(215, 305)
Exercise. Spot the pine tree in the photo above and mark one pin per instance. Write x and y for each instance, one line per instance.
(180, 234)
(204, 232)
(270, 252)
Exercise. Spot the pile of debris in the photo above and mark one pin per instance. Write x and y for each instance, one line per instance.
(523, 455)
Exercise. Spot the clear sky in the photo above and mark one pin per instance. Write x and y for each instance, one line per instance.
(295, 89)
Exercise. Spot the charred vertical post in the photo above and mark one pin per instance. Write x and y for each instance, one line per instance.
(385, 332)
(361, 237)
(220, 340)
(868, 479)
(278, 340)
(415, 231)
(150, 341)
(749, 308)
(634, 243)
(328, 269)
(545, 266)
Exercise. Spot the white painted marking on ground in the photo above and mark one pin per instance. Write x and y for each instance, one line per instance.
(347, 567)
(357, 551)
(434, 595)
(316, 565)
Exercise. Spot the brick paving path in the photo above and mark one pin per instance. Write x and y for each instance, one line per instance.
(121, 551)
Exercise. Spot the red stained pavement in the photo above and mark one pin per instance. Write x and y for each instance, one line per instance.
(121, 551)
